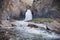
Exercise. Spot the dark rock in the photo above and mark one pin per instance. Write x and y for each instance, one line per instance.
(7, 34)
(32, 26)
(4, 35)
(13, 24)
(50, 13)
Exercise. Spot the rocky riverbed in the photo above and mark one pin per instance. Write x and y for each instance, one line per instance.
(25, 31)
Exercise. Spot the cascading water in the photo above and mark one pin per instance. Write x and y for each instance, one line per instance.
(28, 15)
(27, 33)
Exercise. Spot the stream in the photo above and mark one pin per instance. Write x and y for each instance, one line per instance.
(23, 32)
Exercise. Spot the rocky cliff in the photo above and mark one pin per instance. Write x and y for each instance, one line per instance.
(46, 8)
(12, 8)
(17, 8)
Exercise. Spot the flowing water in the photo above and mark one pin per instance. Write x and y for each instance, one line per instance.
(23, 32)
(28, 15)
(27, 33)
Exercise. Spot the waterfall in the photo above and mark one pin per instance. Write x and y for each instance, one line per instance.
(28, 15)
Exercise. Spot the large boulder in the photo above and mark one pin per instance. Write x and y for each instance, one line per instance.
(54, 26)
(6, 24)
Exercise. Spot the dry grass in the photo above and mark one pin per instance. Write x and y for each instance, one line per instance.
(47, 19)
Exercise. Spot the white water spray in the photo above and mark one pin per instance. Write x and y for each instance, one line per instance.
(28, 15)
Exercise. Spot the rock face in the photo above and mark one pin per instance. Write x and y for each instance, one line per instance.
(12, 8)
(38, 5)
(6, 34)
(17, 8)
(50, 13)
(28, 2)
(54, 26)
(42, 8)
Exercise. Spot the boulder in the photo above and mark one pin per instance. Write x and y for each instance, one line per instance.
(32, 26)
(54, 26)
(6, 24)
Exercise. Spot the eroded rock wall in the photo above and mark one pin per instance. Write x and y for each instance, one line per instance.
(12, 8)
(38, 5)
(17, 8)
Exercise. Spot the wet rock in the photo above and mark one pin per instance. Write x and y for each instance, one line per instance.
(32, 26)
(54, 26)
